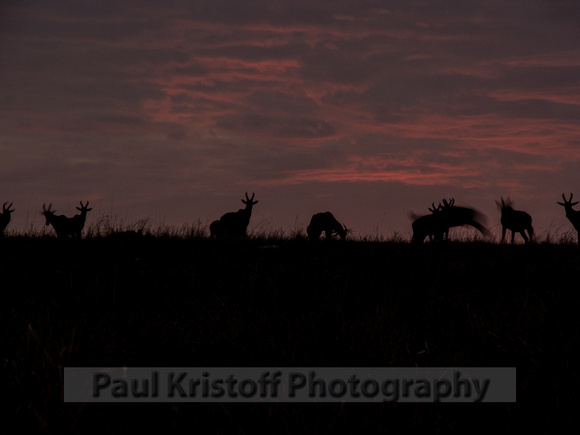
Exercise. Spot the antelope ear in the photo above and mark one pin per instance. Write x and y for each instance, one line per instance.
(559, 203)
(79, 209)
(574, 203)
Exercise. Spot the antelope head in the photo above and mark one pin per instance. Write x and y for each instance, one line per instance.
(6, 209)
(434, 209)
(343, 232)
(249, 201)
(48, 212)
(448, 204)
(572, 215)
(5, 217)
(504, 204)
(84, 208)
(568, 204)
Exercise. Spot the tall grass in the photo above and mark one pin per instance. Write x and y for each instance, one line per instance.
(107, 225)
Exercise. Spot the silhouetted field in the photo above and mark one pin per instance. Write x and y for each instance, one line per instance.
(192, 302)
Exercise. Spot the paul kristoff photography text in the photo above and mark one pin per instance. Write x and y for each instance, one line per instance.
(290, 385)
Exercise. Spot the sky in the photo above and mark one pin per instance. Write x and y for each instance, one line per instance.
(170, 111)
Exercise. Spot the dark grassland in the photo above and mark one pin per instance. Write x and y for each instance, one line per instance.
(193, 302)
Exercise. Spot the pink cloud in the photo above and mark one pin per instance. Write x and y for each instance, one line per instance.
(564, 95)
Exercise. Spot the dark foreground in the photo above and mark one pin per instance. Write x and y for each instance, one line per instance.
(162, 302)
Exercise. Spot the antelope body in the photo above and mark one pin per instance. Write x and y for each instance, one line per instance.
(454, 216)
(234, 224)
(431, 225)
(327, 223)
(572, 215)
(65, 226)
(516, 221)
(5, 217)
(442, 218)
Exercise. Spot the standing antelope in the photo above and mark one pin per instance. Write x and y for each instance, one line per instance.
(65, 226)
(234, 224)
(5, 217)
(431, 225)
(514, 220)
(572, 215)
(327, 223)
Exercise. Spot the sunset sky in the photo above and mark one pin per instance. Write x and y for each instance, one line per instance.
(369, 109)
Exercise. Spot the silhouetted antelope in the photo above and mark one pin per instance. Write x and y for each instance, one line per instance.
(234, 224)
(5, 217)
(327, 223)
(431, 225)
(572, 215)
(514, 220)
(453, 216)
(65, 226)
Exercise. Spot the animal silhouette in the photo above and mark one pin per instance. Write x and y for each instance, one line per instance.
(234, 224)
(327, 223)
(572, 215)
(431, 225)
(516, 221)
(443, 217)
(5, 217)
(454, 216)
(65, 226)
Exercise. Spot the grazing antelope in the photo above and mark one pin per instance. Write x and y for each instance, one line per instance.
(572, 215)
(327, 223)
(431, 225)
(453, 216)
(234, 224)
(65, 226)
(5, 217)
(514, 220)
